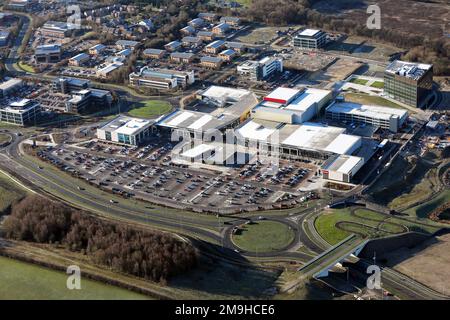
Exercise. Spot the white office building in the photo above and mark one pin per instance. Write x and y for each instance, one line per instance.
(23, 112)
(259, 70)
(125, 130)
(161, 79)
(310, 39)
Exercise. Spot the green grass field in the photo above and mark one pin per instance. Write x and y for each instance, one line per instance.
(423, 210)
(264, 236)
(325, 224)
(4, 138)
(371, 100)
(359, 81)
(9, 192)
(24, 281)
(26, 67)
(378, 84)
(150, 109)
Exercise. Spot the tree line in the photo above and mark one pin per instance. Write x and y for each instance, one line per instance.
(150, 255)
(435, 51)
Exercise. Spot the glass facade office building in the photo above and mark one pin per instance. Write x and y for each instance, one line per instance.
(409, 83)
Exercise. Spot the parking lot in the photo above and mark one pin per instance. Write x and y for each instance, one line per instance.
(147, 173)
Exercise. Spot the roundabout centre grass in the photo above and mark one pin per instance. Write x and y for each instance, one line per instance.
(150, 109)
(264, 236)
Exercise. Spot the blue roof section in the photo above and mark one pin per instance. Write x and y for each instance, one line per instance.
(216, 44)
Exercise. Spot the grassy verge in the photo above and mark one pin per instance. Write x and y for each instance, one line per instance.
(421, 191)
(366, 222)
(4, 138)
(378, 84)
(150, 109)
(422, 210)
(26, 67)
(9, 192)
(408, 181)
(325, 225)
(264, 236)
(371, 100)
(24, 281)
(359, 81)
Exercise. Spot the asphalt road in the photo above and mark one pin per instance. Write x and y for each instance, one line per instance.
(29, 172)
(13, 54)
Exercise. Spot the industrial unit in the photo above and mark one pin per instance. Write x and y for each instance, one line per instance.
(292, 105)
(310, 39)
(387, 118)
(79, 59)
(407, 82)
(211, 62)
(222, 107)
(126, 44)
(342, 168)
(173, 46)
(182, 57)
(308, 140)
(154, 53)
(97, 49)
(125, 130)
(215, 47)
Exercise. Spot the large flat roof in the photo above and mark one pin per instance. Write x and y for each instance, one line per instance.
(309, 32)
(282, 95)
(343, 164)
(371, 111)
(56, 26)
(224, 93)
(309, 97)
(10, 83)
(313, 136)
(20, 106)
(126, 125)
(194, 120)
(198, 150)
(216, 44)
(307, 136)
(219, 107)
(406, 69)
(48, 48)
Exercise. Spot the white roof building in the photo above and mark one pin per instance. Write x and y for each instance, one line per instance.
(342, 168)
(126, 130)
(292, 105)
(378, 116)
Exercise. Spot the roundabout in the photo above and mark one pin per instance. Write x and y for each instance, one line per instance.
(262, 236)
(5, 139)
